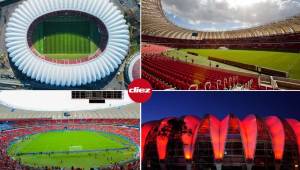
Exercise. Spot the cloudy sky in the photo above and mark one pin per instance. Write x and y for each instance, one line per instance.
(220, 15)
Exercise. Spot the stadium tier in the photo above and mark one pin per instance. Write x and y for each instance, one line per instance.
(156, 24)
(67, 43)
(154, 49)
(22, 130)
(287, 42)
(166, 73)
(190, 142)
(57, 130)
(269, 50)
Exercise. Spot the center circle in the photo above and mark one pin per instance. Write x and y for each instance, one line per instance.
(72, 148)
(67, 37)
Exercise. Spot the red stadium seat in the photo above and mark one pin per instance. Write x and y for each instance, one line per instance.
(32, 126)
(163, 72)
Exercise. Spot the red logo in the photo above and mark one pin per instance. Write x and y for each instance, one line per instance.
(140, 90)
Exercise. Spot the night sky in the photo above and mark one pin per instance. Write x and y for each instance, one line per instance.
(163, 104)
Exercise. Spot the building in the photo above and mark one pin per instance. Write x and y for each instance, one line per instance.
(65, 71)
(190, 142)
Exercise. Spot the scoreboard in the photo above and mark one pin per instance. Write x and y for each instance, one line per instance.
(97, 96)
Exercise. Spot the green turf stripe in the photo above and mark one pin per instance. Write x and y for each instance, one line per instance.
(283, 61)
(60, 141)
(69, 38)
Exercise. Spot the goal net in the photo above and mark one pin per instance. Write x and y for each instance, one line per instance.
(75, 148)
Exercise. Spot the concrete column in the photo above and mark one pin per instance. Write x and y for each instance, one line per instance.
(277, 166)
(188, 166)
(218, 166)
(249, 166)
(163, 166)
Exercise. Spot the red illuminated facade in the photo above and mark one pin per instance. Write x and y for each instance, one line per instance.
(191, 142)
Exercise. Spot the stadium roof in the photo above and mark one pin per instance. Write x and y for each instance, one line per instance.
(133, 67)
(250, 130)
(67, 74)
(129, 111)
(55, 101)
(225, 15)
(155, 23)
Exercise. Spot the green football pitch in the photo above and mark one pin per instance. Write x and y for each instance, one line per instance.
(284, 61)
(81, 149)
(68, 37)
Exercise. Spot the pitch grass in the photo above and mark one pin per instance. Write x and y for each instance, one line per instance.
(69, 35)
(283, 61)
(62, 140)
(66, 56)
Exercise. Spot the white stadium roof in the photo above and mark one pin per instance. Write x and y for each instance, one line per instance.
(53, 104)
(133, 61)
(67, 74)
(56, 100)
(130, 111)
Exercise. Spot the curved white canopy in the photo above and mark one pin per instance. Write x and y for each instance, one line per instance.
(135, 59)
(56, 100)
(67, 74)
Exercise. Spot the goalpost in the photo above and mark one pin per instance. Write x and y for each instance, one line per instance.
(75, 148)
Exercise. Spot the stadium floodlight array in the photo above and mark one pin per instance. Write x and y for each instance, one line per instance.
(66, 75)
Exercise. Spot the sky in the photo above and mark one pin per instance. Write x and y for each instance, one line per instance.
(221, 15)
(54, 100)
(164, 104)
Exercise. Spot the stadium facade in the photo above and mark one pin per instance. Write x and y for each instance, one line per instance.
(66, 72)
(190, 142)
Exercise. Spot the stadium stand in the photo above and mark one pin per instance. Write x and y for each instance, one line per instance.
(154, 49)
(165, 73)
(128, 128)
(154, 59)
(118, 124)
(159, 35)
(69, 59)
(282, 34)
(286, 42)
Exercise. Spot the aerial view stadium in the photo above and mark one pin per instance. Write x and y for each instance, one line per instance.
(260, 132)
(221, 44)
(68, 130)
(56, 44)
